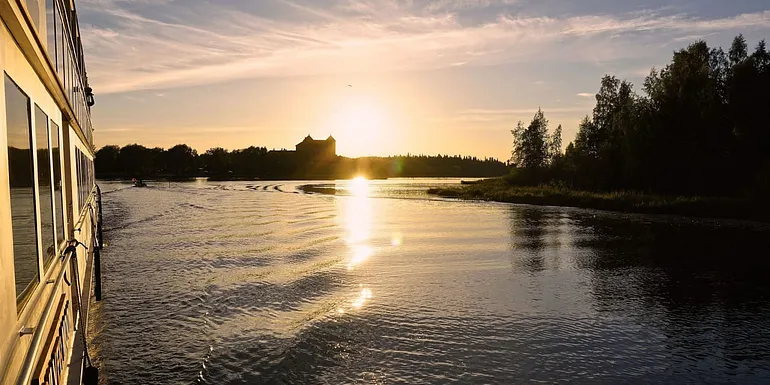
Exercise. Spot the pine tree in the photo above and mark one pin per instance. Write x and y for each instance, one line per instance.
(739, 50)
(535, 142)
(554, 145)
(517, 152)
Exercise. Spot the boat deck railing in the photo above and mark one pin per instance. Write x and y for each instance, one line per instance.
(67, 262)
(40, 330)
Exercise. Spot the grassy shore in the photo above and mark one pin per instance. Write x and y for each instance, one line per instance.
(499, 190)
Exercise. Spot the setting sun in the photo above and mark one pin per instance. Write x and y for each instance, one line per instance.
(363, 122)
(360, 123)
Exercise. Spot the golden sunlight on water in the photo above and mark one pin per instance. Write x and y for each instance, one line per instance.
(359, 226)
(358, 222)
(359, 186)
(362, 297)
(365, 295)
(269, 286)
(397, 239)
(360, 254)
(358, 214)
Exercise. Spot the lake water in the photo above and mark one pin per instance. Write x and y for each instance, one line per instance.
(258, 283)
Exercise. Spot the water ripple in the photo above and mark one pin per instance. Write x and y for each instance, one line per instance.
(245, 283)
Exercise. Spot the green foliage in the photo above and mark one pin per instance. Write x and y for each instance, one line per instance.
(738, 50)
(554, 145)
(531, 145)
(500, 190)
(533, 148)
(517, 154)
(699, 129)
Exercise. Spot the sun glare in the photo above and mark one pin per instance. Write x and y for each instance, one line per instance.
(363, 126)
(360, 123)
(359, 186)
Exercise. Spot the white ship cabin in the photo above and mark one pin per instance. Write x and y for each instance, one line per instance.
(48, 199)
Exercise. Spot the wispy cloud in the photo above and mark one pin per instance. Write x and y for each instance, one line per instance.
(205, 43)
(518, 111)
(455, 5)
(508, 116)
(585, 95)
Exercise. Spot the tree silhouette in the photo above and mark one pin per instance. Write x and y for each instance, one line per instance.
(109, 160)
(216, 162)
(699, 129)
(531, 144)
(554, 145)
(181, 161)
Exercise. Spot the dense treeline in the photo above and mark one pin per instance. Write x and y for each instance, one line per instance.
(138, 161)
(426, 166)
(699, 128)
(181, 161)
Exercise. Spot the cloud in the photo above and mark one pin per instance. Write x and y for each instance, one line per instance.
(508, 115)
(200, 42)
(585, 95)
(519, 111)
(109, 130)
(454, 5)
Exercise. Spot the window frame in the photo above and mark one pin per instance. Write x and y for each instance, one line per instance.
(35, 16)
(58, 221)
(46, 258)
(23, 297)
(58, 207)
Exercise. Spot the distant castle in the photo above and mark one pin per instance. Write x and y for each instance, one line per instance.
(310, 150)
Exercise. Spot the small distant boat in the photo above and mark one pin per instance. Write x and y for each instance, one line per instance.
(139, 183)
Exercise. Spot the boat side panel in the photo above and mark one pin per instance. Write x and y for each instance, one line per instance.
(7, 276)
(14, 348)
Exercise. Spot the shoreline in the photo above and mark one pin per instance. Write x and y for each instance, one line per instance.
(498, 190)
(271, 179)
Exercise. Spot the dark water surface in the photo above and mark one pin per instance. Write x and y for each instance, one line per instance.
(257, 283)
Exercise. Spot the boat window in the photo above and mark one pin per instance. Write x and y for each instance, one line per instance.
(58, 196)
(83, 182)
(45, 193)
(50, 22)
(61, 46)
(70, 72)
(73, 79)
(84, 171)
(33, 7)
(85, 176)
(77, 178)
(22, 186)
(67, 78)
(65, 51)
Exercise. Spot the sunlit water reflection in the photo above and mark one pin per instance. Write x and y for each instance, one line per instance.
(250, 283)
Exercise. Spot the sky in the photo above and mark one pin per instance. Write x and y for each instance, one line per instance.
(383, 76)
